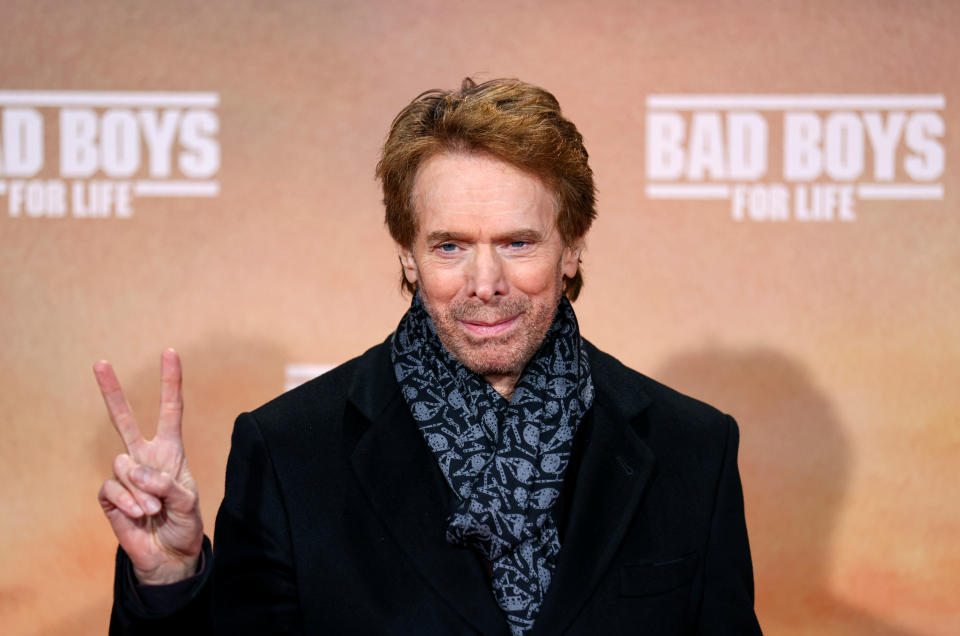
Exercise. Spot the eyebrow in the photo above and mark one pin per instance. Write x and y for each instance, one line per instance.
(528, 235)
(522, 234)
(443, 236)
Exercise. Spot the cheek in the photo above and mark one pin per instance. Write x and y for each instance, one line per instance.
(534, 279)
(441, 284)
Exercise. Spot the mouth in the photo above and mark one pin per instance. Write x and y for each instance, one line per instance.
(487, 329)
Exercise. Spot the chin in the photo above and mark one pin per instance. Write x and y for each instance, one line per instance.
(489, 357)
(485, 362)
(503, 355)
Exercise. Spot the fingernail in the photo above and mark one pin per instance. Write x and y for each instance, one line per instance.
(153, 506)
(139, 474)
(136, 510)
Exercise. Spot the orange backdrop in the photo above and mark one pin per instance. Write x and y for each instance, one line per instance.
(236, 218)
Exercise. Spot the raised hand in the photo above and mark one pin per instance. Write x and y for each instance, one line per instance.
(151, 500)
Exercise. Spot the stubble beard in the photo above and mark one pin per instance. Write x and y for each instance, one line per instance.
(505, 355)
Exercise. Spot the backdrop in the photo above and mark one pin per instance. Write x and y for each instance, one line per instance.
(777, 234)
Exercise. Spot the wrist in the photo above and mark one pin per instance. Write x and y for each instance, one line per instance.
(171, 572)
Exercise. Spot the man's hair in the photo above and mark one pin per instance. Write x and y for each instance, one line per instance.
(513, 121)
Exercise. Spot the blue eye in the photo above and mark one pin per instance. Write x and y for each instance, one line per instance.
(448, 247)
(518, 244)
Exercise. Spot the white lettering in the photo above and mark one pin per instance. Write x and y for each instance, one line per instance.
(706, 147)
(119, 143)
(824, 202)
(38, 198)
(101, 199)
(159, 134)
(802, 158)
(884, 139)
(664, 138)
(760, 202)
(202, 159)
(923, 130)
(844, 146)
(22, 142)
(78, 147)
(747, 139)
(15, 198)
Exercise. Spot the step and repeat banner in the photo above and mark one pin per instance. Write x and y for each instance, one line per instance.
(778, 234)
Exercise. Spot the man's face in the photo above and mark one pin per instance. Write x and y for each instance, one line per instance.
(488, 260)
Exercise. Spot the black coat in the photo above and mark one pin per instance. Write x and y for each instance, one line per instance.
(334, 512)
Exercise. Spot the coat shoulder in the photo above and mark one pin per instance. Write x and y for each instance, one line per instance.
(663, 406)
(325, 397)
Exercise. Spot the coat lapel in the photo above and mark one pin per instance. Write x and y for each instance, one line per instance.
(408, 493)
(616, 466)
(400, 478)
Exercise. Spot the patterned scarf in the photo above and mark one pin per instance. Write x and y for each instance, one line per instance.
(505, 462)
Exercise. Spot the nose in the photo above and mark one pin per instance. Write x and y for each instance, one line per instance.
(487, 276)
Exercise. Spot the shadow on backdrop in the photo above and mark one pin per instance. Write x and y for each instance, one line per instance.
(795, 461)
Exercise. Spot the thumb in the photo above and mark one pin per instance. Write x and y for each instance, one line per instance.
(175, 496)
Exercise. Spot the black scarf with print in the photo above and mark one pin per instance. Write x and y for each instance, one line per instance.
(504, 461)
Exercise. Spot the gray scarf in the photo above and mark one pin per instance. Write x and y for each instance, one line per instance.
(505, 462)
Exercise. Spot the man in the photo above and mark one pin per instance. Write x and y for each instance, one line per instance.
(484, 470)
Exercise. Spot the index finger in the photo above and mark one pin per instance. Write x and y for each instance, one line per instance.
(117, 406)
(171, 396)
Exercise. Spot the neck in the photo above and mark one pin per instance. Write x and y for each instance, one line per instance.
(503, 384)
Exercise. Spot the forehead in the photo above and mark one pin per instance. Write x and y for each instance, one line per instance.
(482, 192)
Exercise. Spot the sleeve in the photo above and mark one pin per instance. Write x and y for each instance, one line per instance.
(161, 609)
(247, 586)
(255, 589)
(727, 606)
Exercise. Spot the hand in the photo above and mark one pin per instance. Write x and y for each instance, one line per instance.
(151, 500)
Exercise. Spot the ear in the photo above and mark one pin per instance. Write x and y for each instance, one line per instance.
(410, 271)
(570, 260)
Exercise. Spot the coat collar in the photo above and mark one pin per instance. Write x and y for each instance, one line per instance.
(616, 466)
(400, 477)
(403, 483)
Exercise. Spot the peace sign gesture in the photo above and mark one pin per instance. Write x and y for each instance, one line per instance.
(151, 501)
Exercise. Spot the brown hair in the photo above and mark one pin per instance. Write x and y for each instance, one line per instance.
(511, 120)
